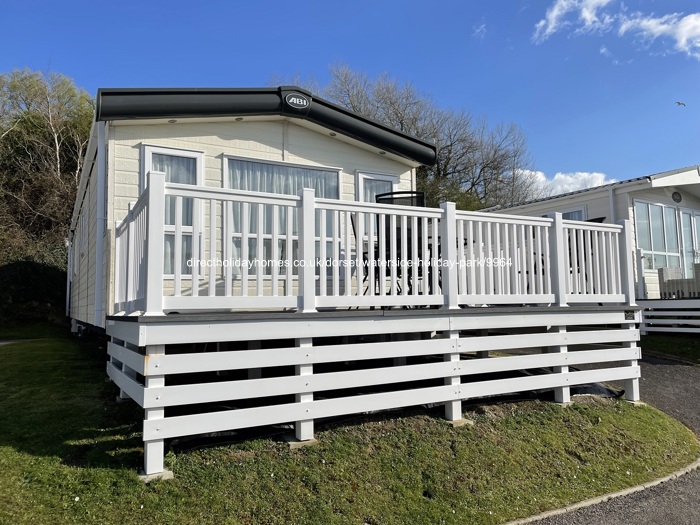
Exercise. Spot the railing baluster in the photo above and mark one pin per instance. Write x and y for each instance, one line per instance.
(289, 243)
(177, 256)
(212, 247)
(336, 253)
(371, 218)
(275, 252)
(322, 270)
(260, 251)
(244, 249)
(381, 235)
(392, 254)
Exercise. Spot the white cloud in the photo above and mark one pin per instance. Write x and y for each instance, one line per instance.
(580, 180)
(605, 52)
(480, 31)
(587, 14)
(684, 30)
(564, 182)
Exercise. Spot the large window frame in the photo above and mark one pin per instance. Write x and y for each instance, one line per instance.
(569, 213)
(653, 257)
(147, 152)
(265, 236)
(362, 176)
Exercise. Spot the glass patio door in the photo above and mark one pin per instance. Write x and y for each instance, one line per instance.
(688, 252)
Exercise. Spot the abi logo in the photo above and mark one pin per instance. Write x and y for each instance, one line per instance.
(297, 100)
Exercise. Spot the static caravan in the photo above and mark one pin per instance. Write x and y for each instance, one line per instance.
(664, 213)
(262, 257)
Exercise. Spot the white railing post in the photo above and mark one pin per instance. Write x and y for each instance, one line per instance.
(558, 249)
(307, 251)
(448, 246)
(626, 268)
(154, 450)
(155, 243)
(641, 292)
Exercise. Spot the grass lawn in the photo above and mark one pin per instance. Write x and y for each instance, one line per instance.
(69, 454)
(679, 346)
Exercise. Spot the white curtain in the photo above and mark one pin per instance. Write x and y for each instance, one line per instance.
(274, 178)
(181, 170)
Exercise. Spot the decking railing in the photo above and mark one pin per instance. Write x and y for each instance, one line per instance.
(221, 249)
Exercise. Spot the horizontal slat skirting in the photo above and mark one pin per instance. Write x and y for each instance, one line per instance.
(667, 313)
(687, 330)
(132, 359)
(276, 386)
(517, 341)
(666, 321)
(524, 384)
(287, 329)
(242, 359)
(133, 389)
(669, 303)
(291, 326)
(252, 417)
(527, 319)
(664, 315)
(255, 388)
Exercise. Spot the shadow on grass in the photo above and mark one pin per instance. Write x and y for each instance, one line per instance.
(55, 402)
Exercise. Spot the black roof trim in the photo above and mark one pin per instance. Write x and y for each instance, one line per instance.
(155, 103)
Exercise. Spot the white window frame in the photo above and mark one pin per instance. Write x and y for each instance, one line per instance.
(147, 151)
(266, 236)
(361, 176)
(286, 164)
(582, 209)
(651, 253)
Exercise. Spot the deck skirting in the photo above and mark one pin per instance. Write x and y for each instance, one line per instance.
(196, 374)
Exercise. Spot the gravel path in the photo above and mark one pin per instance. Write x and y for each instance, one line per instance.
(674, 388)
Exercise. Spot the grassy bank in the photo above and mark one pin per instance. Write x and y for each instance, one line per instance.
(69, 454)
(678, 346)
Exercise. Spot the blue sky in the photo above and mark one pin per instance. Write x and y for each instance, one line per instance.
(593, 83)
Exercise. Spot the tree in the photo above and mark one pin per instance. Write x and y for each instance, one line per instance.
(44, 129)
(477, 165)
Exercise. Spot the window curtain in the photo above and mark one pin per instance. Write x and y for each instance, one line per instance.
(274, 178)
(373, 187)
(181, 170)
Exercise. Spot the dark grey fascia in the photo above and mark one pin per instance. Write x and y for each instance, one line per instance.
(157, 103)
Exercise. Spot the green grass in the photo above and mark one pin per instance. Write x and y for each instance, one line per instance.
(69, 454)
(678, 346)
(32, 331)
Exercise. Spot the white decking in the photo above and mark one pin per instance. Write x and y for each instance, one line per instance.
(352, 331)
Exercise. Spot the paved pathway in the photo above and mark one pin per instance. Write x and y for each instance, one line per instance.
(674, 388)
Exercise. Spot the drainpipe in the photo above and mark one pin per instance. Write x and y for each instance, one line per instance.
(611, 200)
(101, 222)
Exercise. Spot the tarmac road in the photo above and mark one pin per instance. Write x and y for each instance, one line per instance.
(674, 388)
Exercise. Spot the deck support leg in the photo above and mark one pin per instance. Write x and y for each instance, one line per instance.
(453, 409)
(154, 450)
(304, 429)
(562, 394)
(631, 385)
